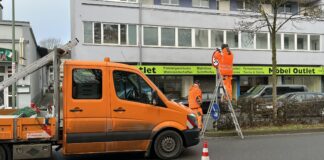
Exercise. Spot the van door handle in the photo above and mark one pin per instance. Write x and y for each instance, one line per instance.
(119, 109)
(76, 109)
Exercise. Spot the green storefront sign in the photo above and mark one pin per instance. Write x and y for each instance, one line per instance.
(238, 70)
(5, 55)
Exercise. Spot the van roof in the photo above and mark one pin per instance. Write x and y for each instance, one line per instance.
(285, 85)
(97, 63)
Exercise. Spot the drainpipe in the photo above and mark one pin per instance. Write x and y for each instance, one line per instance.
(140, 31)
(13, 54)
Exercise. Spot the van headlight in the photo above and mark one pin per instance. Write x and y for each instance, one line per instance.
(192, 121)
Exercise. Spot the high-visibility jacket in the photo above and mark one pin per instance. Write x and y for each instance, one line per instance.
(226, 65)
(217, 58)
(194, 97)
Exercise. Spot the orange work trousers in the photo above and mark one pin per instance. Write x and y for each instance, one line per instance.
(199, 114)
(228, 85)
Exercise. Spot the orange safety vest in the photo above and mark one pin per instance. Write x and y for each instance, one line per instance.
(194, 96)
(217, 58)
(226, 65)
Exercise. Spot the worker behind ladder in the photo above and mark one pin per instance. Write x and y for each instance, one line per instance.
(226, 68)
(195, 101)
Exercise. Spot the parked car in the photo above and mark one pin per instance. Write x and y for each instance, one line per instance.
(297, 104)
(263, 94)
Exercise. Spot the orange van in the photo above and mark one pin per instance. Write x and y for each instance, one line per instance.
(112, 107)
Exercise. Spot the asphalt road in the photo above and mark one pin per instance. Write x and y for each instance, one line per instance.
(271, 147)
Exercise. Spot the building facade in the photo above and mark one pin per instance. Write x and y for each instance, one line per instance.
(172, 41)
(29, 89)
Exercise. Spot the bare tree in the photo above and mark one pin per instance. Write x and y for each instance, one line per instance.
(50, 43)
(272, 15)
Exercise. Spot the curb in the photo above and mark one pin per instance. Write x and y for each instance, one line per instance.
(251, 133)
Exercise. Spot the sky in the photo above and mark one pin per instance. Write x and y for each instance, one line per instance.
(48, 18)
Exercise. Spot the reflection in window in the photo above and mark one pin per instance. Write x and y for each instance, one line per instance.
(247, 40)
(167, 36)
(217, 38)
(289, 41)
(87, 84)
(302, 42)
(184, 37)
(315, 42)
(132, 87)
(262, 40)
(97, 33)
(201, 38)
(151, 36)
(110, 33)
(232, 39)
(132, 34)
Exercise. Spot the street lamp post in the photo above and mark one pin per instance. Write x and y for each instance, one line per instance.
(13, 54)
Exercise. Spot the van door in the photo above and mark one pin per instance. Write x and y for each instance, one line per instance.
(134, 116)
(85, 109)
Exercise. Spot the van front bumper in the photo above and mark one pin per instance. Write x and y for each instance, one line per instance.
(191, 137)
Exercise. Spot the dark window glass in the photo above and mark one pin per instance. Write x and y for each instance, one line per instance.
(132, 87)
(87, 84)
(268, 92)
(97, 33)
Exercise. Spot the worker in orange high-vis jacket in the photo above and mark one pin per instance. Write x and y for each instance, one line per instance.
(226, 68)
(217, 57)
(195, 101)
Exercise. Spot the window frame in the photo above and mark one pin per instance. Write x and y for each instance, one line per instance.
(170, 4)
(158, 35)
(200, 5)
(175, 36)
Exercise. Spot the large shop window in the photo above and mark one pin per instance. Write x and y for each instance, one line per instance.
(217, 38)
(200, 3)
(262, 41)
(170, 2)
(201, 38)
(130, 86)
(168, 36)
(247, 40)
(87, 84)
(232, 39)
(184, 36)
(151, 36)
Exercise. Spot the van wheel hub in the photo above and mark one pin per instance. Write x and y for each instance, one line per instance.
(168, 144)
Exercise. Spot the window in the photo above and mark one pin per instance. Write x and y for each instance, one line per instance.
(110, 32)
(133, 1)
(201, 38)
(167, 36)
(170, 2)
(302, 42)
(285, 8)
(97, 33)
(289, 41)
(247, 40)
(278, 41)
(217, 38)
(132, 34)
(184, 37)
(262, 41)
(315, 42)
(123, 34)
(240, 4)
(200, 3)
(217, 4)
(88, 32)
(87, 84)
(132, 87)
(151, 36)
(232, 39)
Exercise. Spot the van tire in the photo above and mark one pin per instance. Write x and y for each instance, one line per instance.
(168, 145)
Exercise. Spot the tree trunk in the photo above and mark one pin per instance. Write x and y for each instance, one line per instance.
(274, 76)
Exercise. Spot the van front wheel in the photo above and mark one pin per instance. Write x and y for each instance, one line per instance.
(168, 145)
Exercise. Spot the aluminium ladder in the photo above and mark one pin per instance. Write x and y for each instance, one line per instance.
(37, 64)
(220, 85)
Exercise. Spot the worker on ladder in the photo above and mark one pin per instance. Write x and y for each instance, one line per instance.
(195, 101)
(226, 68)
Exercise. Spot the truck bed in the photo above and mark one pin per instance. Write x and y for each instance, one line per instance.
(24, 129)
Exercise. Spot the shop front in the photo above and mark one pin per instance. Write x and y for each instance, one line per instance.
(175, 81)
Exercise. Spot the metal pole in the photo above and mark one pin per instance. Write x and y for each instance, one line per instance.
(13, 54)
(56, 97)
(140, 32)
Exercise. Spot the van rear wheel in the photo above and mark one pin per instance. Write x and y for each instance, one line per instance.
(168, 145)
